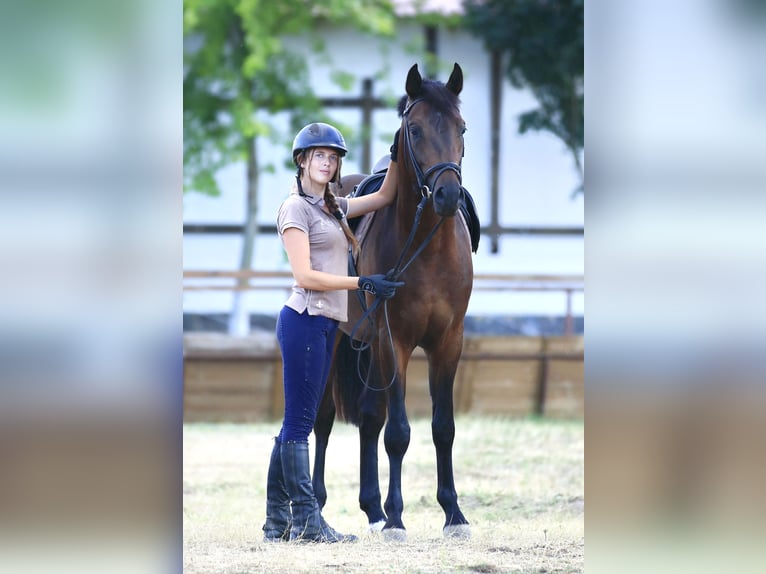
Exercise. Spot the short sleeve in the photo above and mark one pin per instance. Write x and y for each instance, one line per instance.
(292, 213)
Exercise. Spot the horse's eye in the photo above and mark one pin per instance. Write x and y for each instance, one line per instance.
(462, 131)
(415, 131)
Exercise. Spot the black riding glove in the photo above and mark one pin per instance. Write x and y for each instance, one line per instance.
(395, 146)
(379, 286)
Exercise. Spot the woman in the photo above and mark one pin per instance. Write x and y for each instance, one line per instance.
(316, 236)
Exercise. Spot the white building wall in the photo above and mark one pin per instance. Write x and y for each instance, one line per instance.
(536, 173)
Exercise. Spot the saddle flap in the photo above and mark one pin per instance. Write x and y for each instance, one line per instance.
(468, 211)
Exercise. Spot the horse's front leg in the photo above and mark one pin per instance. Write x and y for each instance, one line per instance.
(397, 440)
(442, 366)
(322, 428)
(373, 417)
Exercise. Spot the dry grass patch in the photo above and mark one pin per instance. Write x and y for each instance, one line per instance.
(519, 482)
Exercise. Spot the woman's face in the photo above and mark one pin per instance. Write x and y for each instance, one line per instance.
(323, 164)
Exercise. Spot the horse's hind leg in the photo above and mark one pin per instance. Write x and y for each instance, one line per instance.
(442, 369)
(322, 428)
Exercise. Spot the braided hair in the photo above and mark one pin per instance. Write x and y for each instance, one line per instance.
(330, 200)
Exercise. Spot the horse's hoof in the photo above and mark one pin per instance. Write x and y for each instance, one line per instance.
(462, 531)
(377, 526)
(394, 535)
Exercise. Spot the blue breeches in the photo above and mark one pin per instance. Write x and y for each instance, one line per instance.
(306, 342)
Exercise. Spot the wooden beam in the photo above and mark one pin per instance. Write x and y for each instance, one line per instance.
(495, 110)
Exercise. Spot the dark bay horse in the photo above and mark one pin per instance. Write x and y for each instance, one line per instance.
(369, 391)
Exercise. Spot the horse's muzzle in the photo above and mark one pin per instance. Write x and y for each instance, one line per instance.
(447, 199)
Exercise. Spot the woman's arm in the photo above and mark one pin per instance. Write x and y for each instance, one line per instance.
(296, 243)
(360, 205)
(297, 246)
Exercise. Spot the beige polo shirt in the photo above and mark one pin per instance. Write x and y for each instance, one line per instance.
(328, 247)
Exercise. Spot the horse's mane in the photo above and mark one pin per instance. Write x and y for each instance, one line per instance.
(436, 94)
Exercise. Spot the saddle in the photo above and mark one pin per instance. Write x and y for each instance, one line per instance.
(372, 183)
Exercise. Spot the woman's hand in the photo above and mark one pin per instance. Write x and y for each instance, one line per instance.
(379, 286)
(384, 196)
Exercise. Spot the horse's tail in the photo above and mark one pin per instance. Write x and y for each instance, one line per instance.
(344, 377)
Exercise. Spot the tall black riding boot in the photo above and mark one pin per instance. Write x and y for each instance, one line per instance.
(308, 524)
(278, 516)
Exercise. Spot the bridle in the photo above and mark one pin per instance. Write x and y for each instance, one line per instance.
(425, 192)
(438, 168)
(393, 275)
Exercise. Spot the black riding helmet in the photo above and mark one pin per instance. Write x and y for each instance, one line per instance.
(318, 135)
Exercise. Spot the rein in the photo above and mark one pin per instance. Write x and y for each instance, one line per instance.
(394, 274)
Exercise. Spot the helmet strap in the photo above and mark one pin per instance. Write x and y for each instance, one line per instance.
(300, 185)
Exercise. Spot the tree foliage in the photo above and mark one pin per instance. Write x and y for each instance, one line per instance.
(542, 42)
(236, 62)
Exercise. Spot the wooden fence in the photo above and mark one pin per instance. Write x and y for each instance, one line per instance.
(240, 379)
(250, 280)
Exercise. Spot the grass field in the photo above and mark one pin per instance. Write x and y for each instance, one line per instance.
(519, 483)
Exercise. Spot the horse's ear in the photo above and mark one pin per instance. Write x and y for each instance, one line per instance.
(455, 82)
(414, 83)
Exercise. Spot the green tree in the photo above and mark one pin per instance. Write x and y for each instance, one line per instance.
(236, 63)
(542, 43)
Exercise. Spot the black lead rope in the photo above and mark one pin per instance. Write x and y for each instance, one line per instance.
(369, 312)
(394, 274)
(398, 269)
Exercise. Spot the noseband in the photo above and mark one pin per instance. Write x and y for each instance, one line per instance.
(438, 169)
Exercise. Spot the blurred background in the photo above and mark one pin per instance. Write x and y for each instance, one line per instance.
(90, 301)
(675, 366)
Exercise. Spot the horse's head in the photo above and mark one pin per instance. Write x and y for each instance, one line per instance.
(432, 137)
